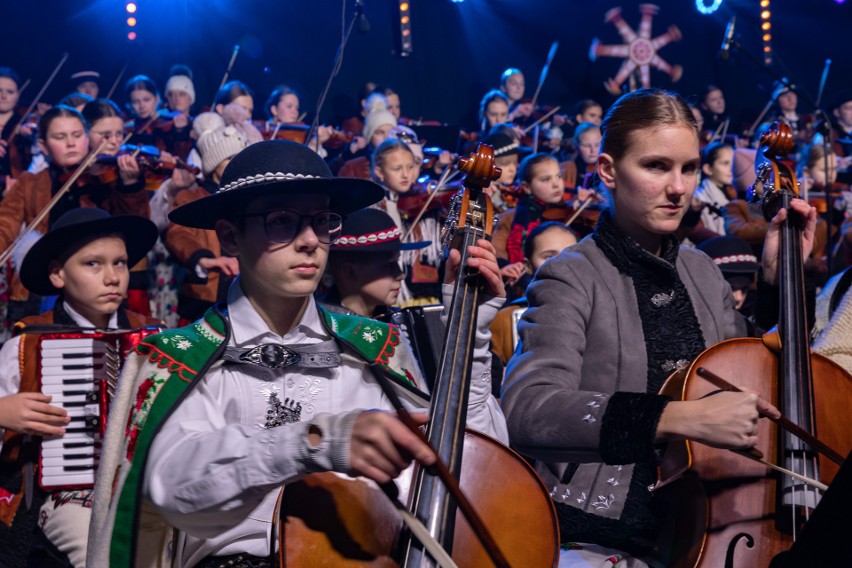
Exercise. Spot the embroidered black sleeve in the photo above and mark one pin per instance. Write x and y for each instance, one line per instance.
(629, 427)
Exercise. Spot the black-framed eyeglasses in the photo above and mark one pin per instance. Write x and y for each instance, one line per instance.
(285, 225)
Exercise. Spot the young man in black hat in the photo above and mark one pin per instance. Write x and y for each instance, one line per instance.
(84, 258)
(217, 416)
(365, 263)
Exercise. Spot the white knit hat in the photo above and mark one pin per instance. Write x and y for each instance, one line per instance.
(181, 83)
(375, 119)
(218, 145)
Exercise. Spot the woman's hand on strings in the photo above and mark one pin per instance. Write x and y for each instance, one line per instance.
(482, 258)
(771, 245)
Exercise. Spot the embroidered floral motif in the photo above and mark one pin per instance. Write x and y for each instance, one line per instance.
(612, 481)
(582, 498)
(599, 395)
(593, 404)
(183, 344)
(308, 392)
(566, 494)
(144, 399)
(604, 502)
(589, 418)
(371, 334)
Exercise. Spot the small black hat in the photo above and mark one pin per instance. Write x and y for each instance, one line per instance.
(731, 254)
(81, 77)
(275, 167)
(840, 98)
(503, 144)
(372, 230)
(139, 235)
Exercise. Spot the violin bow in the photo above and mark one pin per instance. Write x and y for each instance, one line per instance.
(443, 472)
(227, 73)
(35, 101)
(93, 155)
(444, 180)
(117, 80)
(553, 111)
(545, 70)
(24, 86)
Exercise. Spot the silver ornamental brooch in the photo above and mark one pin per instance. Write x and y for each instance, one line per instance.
(662, 299)
(279, 413)
(271, 356)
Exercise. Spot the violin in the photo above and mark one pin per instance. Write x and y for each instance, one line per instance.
(412, 202)
(298, 132)
(149, 158)
(431, 155)
(360, 526)
(729, 511)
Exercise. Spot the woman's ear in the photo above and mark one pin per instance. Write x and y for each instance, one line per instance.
(227, 231)
(526, 187)
(606, 171)
(377, 172)
(707, 170)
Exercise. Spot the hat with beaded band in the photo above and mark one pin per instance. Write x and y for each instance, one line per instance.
(275, 167)
(372, 230)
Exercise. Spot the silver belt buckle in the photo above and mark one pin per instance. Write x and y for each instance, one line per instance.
(271, 356)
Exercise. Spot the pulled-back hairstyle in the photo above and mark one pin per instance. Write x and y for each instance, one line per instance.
(490, 97)
(9, 73)
(711, 152)
(642, 110)
(100, 108)
(529, 241)
(275, 98)
(385, 148)
(508, 73)
(230, 91)
(57, 112)
(811, 155)
(140, 83)
(582, 129)
(525, 170)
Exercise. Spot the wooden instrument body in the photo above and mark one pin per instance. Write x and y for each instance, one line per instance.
(365, 529)
(742, 494)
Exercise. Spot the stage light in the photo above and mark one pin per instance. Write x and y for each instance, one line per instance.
(765, 14)
(766, 25)
(764, 3)
(131, 7)
(131, 21)
(707, 6)
(131, 36)
(406, 44)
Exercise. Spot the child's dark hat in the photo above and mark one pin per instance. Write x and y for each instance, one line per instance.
(731, 254)
(139, 235)
(372, 230)
(275, 167)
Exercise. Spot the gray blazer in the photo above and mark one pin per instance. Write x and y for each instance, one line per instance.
(582, 341)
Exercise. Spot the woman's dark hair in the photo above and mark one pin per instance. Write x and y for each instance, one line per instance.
(230, 91)
(383, 90)
(275, 98)
(140, 83)
(101, 108)
(490, 97)
(642, 110)
(709, 88)
(711, 152)
(582, 129)
(9, 73)
(585, 105)
(385, 148)
(529, 241)
(76, 99)
(57, 112)
(525, 170)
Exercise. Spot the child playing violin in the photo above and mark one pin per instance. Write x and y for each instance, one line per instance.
(542, 186)
(503, 192)
(282, 110)
(63, 137)
(15, 154)
(587, 141)
(396, 169)
(180, 95)
(356, 157)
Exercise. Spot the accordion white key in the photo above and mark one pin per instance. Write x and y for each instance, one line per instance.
(80, 372)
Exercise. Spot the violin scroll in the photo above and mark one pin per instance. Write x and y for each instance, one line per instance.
(479, 168)
(471, 210)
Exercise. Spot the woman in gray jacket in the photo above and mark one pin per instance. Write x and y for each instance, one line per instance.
(609, 319)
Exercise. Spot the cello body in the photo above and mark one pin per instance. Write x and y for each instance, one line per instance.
(741, 528)
(328, 520)
(749, 514)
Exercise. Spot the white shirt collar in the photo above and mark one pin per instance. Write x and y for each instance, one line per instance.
(249, 329)
(81, 320)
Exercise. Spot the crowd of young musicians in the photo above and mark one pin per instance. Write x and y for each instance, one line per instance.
(162, 164)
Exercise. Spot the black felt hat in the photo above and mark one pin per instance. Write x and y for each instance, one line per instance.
(139, 235)
(503, 144)
(731, 254)
(372, 230)
(276, 167)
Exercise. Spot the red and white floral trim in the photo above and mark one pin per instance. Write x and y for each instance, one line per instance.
(735, 258)
(387, 235)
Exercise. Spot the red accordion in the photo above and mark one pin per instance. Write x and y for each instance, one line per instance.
(80, 371)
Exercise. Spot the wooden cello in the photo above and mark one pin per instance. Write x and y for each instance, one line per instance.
(326, 520)
(742, 513)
